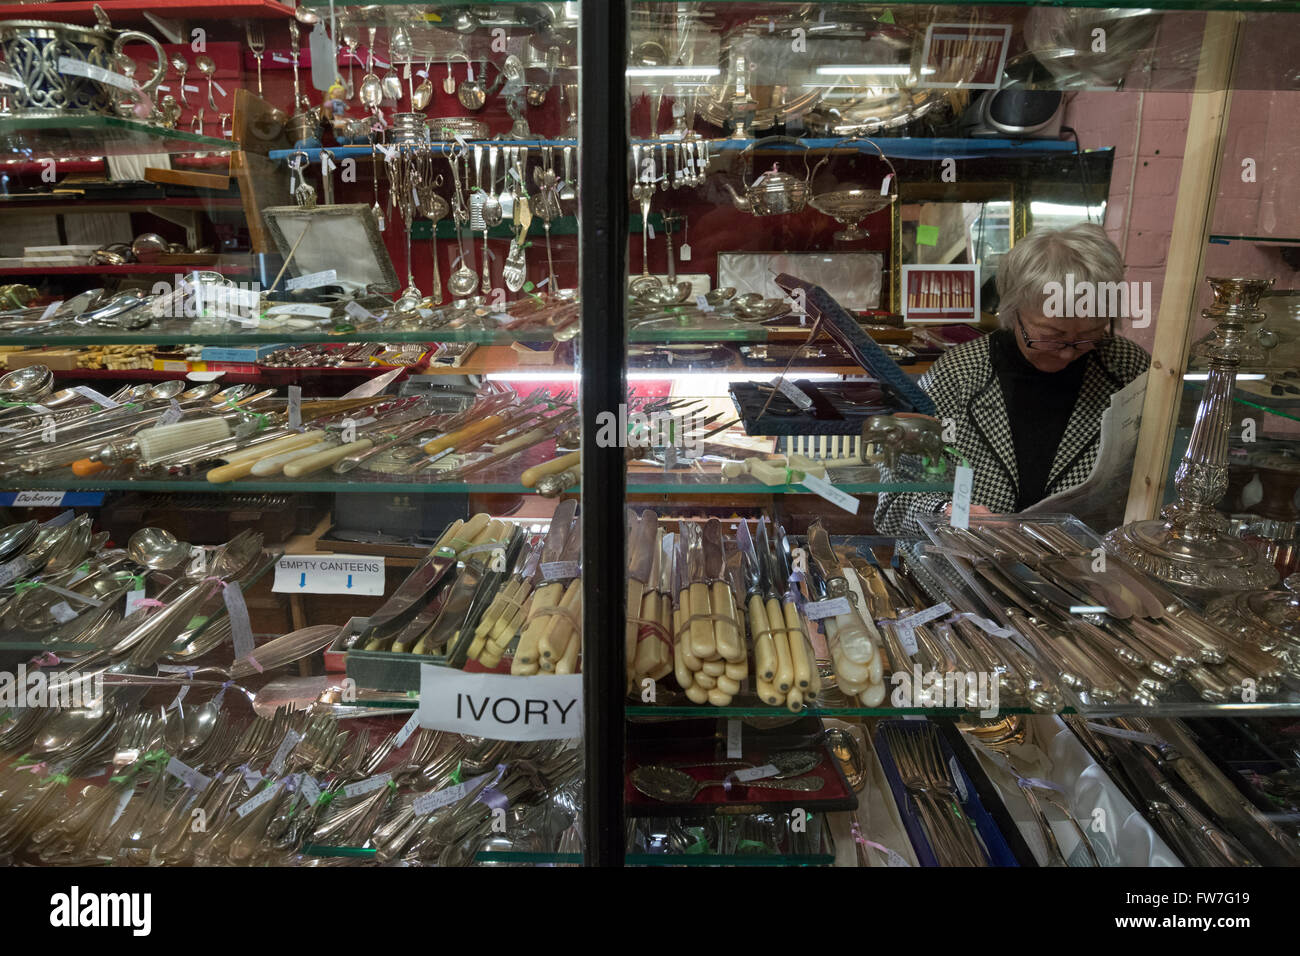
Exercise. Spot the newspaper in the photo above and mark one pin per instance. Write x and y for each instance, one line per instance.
(1099, 501)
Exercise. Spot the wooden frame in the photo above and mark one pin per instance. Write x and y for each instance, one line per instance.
(1185, 265)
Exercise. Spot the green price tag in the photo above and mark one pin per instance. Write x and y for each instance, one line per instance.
(886, 17)
(927, 235)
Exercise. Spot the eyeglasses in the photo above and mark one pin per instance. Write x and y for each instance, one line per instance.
(1053, 345)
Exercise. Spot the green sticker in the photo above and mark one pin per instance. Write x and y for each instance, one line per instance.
(528, 287)
(927, 235)
(196, 622)
(886, 17)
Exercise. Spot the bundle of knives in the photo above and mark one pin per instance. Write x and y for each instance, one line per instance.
(1108, 633)
(698, 603)
(1200, 813)
(486, 585)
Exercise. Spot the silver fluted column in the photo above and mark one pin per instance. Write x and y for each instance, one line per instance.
(1189, 545)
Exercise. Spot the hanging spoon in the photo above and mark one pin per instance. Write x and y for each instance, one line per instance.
(372, 89)
(423, 93)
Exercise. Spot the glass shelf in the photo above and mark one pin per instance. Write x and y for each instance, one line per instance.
(715, 859)
(63, 136)
(1291, 410)
(483, 856)
(679, 482)
(180, 331)
(667, 711)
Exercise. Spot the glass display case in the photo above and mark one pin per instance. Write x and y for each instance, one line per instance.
(648, 433)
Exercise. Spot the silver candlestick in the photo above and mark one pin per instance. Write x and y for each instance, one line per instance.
(1189, 545)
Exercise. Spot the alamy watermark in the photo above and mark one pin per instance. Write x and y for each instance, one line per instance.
(952, 690)
(1102, 300)
(659, 429)
(61, 689)
(186, 298)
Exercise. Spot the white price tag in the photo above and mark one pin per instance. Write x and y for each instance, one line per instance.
(703, 304)
(13, 570)
(172, 415)
(263, 798)
(367, 785)
(955, 769)
(70, 67)
(38, 499)
(408, 728)
(793, 392)
(220, 89)
(906, 637)
(893, 858)
(312, 280)
(884, 185)
(735, 739)
(310, 789)
(280, 58)
(427, 803)
(51, 309)
(103, 401)
(832, 607)
(756, 773)
(188, 775)
(304, 309)
(989, 627)
(251, 777)
(1134, 735)
(63, 613)
(358, 574)
(190, 89)
(501, 706)
(358, 311)
(560, 570)
(127, 794)
(684, 253)
(820, 486)
(925, 617)
(962, 483)
(291, 740)
(295, 406)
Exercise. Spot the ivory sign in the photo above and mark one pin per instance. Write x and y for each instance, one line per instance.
(501, 706)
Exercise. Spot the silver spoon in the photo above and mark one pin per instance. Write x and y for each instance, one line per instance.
(208, 68)
(372, 88)
(181, 66)
(156, 549)
(423, 93)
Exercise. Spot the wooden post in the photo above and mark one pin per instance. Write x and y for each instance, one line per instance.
(1197, 189)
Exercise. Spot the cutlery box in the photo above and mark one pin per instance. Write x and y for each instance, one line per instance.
(1000, 853)
(676, 741)
(376, 670)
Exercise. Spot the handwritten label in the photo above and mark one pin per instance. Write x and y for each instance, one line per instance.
(241, 629)
(368, 785)
(188, 775)
(103, 401)
(924, 617)
(820, 486)
(1134, 735)
(793, 392)
(427, 803)
(500, 706)
(72, 67)
(251, 777)
(291, 740)
(310, 790)
(63, 613)
(312, 280)
(295, 406)
(703, 304)
(172, 415)
(962, 483)
(735, 739)
(958, 779)
(13, 570)
(408, 728)
(357, 574)
(303, 309)
(38, 499)
(832, 607)
(263, 798)
(756, 773)
(560, 570)
(359, 312)
(989, 627)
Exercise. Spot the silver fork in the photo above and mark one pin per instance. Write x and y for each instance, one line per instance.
(257, 43)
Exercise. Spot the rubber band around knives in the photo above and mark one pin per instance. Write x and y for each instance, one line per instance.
(647, 628)
(557, 611)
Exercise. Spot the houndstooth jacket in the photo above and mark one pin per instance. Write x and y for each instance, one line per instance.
(965, 388)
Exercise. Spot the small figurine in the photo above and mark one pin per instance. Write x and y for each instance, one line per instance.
(885, 437)
(335, 105)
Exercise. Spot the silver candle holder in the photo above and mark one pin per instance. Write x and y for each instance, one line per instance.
(1189, 546)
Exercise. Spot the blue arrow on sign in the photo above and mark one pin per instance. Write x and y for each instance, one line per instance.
(303, 582)
(349, 580)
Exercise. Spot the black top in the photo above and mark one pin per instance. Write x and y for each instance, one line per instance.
(1039, 405)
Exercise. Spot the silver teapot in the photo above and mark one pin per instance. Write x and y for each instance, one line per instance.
(65, 69)
(775, 192)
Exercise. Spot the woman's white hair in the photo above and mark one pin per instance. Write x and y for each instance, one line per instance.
(1083, 251)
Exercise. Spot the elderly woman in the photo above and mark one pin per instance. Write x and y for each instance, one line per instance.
(1027, 399)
